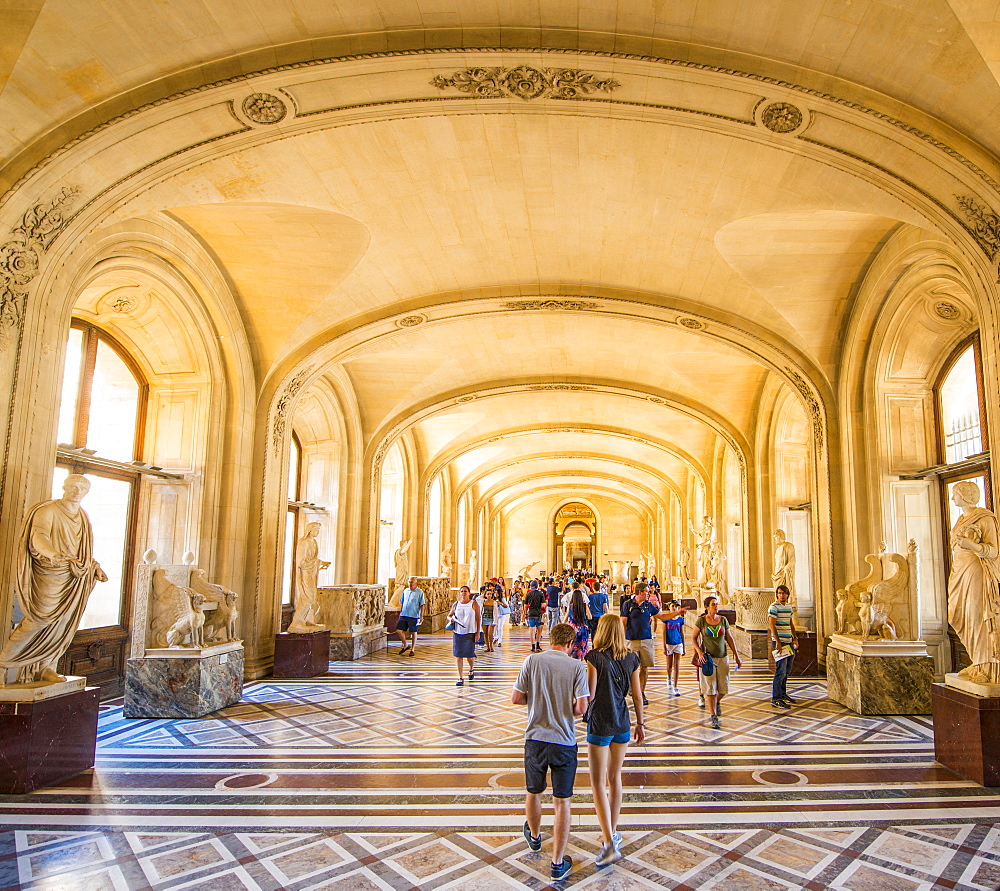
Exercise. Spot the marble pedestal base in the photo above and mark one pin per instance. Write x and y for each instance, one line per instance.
(966, 731)
(47, 740)
(391, 618)
(806, 662)
(433, 624)
(345, 647)
(879, 684)
(183, 687)
(750, 644)
(301, 654)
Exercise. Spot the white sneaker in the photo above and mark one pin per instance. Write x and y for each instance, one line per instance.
(616, 840)
(677, 691)
(701, 701)
(607, 855)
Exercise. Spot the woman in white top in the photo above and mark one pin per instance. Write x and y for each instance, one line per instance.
(468, 623)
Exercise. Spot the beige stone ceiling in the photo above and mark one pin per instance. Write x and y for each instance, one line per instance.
(320, 231)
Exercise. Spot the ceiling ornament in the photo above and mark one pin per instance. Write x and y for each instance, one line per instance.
(525, 82)
(781, 117)
(659, 400)
(411, 321)
(550, 304)
(20, 257)
(467, 398)
(559, 387)
(284, 403)
(691, 324)
(264, 108)
(124, 304)
(812, 404)
(947, 311)
(983, 224)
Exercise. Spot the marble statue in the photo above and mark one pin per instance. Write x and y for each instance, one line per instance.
(401, 560)
(189, 628)
(706, 539)
(784, 568)
(56, 573)
(684, 571)
(973, 594)
(306, 581)
(445, 562)
(221, 626)
(473, 581)
(651, 564)
(715, 576)
(642, 566)
(882, 601)
(525, 571)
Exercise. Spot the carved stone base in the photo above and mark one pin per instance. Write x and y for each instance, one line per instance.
(347, 647)
(750, 644)
(965, 685)
(178, 687)
(301, 655)
(40, 690)
(879, 684)
(45, 741)
(966, 730)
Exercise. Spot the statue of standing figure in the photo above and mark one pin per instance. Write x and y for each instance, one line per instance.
(706, 540)
(56, 575)
(684, 571)
(306, 581)
(401, 559)
(973, 593)
(446, 563)
(784, 568)
(473, 571)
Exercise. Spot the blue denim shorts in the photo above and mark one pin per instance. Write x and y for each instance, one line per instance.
(534, 623)
(607, 740)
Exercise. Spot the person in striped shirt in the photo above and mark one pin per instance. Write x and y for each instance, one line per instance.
(783, 637)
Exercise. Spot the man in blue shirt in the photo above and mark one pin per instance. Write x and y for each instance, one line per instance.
(636, 614)
(410, 615)
(553, 594)
(598, 607)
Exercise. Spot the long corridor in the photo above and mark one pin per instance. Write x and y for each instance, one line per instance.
(383, 774)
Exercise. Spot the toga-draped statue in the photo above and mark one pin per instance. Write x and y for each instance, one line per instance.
(446, 563)
(306, 582)
(973, 594)
(57, 572)
(401, 560)
(784, 568)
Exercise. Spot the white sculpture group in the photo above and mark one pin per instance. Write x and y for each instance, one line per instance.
(882, 604)
(179, 617)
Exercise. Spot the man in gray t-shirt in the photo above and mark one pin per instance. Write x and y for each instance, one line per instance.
(554, 687)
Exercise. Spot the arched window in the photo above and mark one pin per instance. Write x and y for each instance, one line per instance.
(101, 419)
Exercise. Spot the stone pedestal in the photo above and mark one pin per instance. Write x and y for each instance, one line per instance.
(356, 616)
(966, 733)
(47, 740)
(806, 662)
(879, 677)
(750, 644)
(301, 654)
(179, 683)
(751, 606)
(729, 615)
(391, 618)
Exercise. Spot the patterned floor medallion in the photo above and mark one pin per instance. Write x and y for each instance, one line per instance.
(384, 775)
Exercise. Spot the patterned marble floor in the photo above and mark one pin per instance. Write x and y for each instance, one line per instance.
(383, 774)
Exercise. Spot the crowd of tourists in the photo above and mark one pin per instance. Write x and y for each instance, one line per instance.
(594, 663)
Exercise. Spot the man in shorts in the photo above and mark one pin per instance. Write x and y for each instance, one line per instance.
(636, 614)
(534, 606)
(410, 615)
(554, 687)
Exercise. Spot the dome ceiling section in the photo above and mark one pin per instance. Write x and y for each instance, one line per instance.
(543, 351)
(577, 484)
(283, 261)
(460, 203)
(80, 63)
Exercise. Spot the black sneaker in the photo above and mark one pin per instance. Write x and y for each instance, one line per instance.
(561, 870)
(780, 703)
(790, 701)
(534, 841)
(645, 701)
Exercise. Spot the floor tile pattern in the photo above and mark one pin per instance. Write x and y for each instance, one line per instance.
(383, 774)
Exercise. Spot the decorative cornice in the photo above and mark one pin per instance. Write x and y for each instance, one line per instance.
(549, 304)
(525, 82)
(284, 403)
(984, 224)
(812, 404)
(21, 256)
(947, 311)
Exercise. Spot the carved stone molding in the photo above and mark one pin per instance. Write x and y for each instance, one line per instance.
(812, 404)
(264, 108)
(983, 224)
(411, 321)
(947, 311)
(781, 117)
(550, 304)
(525, 82)
(691, 324)
(20, 257)
(559, 387)
(281, 409)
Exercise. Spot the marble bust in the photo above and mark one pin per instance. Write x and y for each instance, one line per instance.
(973, 595)
(56, 574)
(307, 570)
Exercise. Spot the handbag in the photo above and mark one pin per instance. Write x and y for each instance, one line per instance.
(708, 666)
(450, 624)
